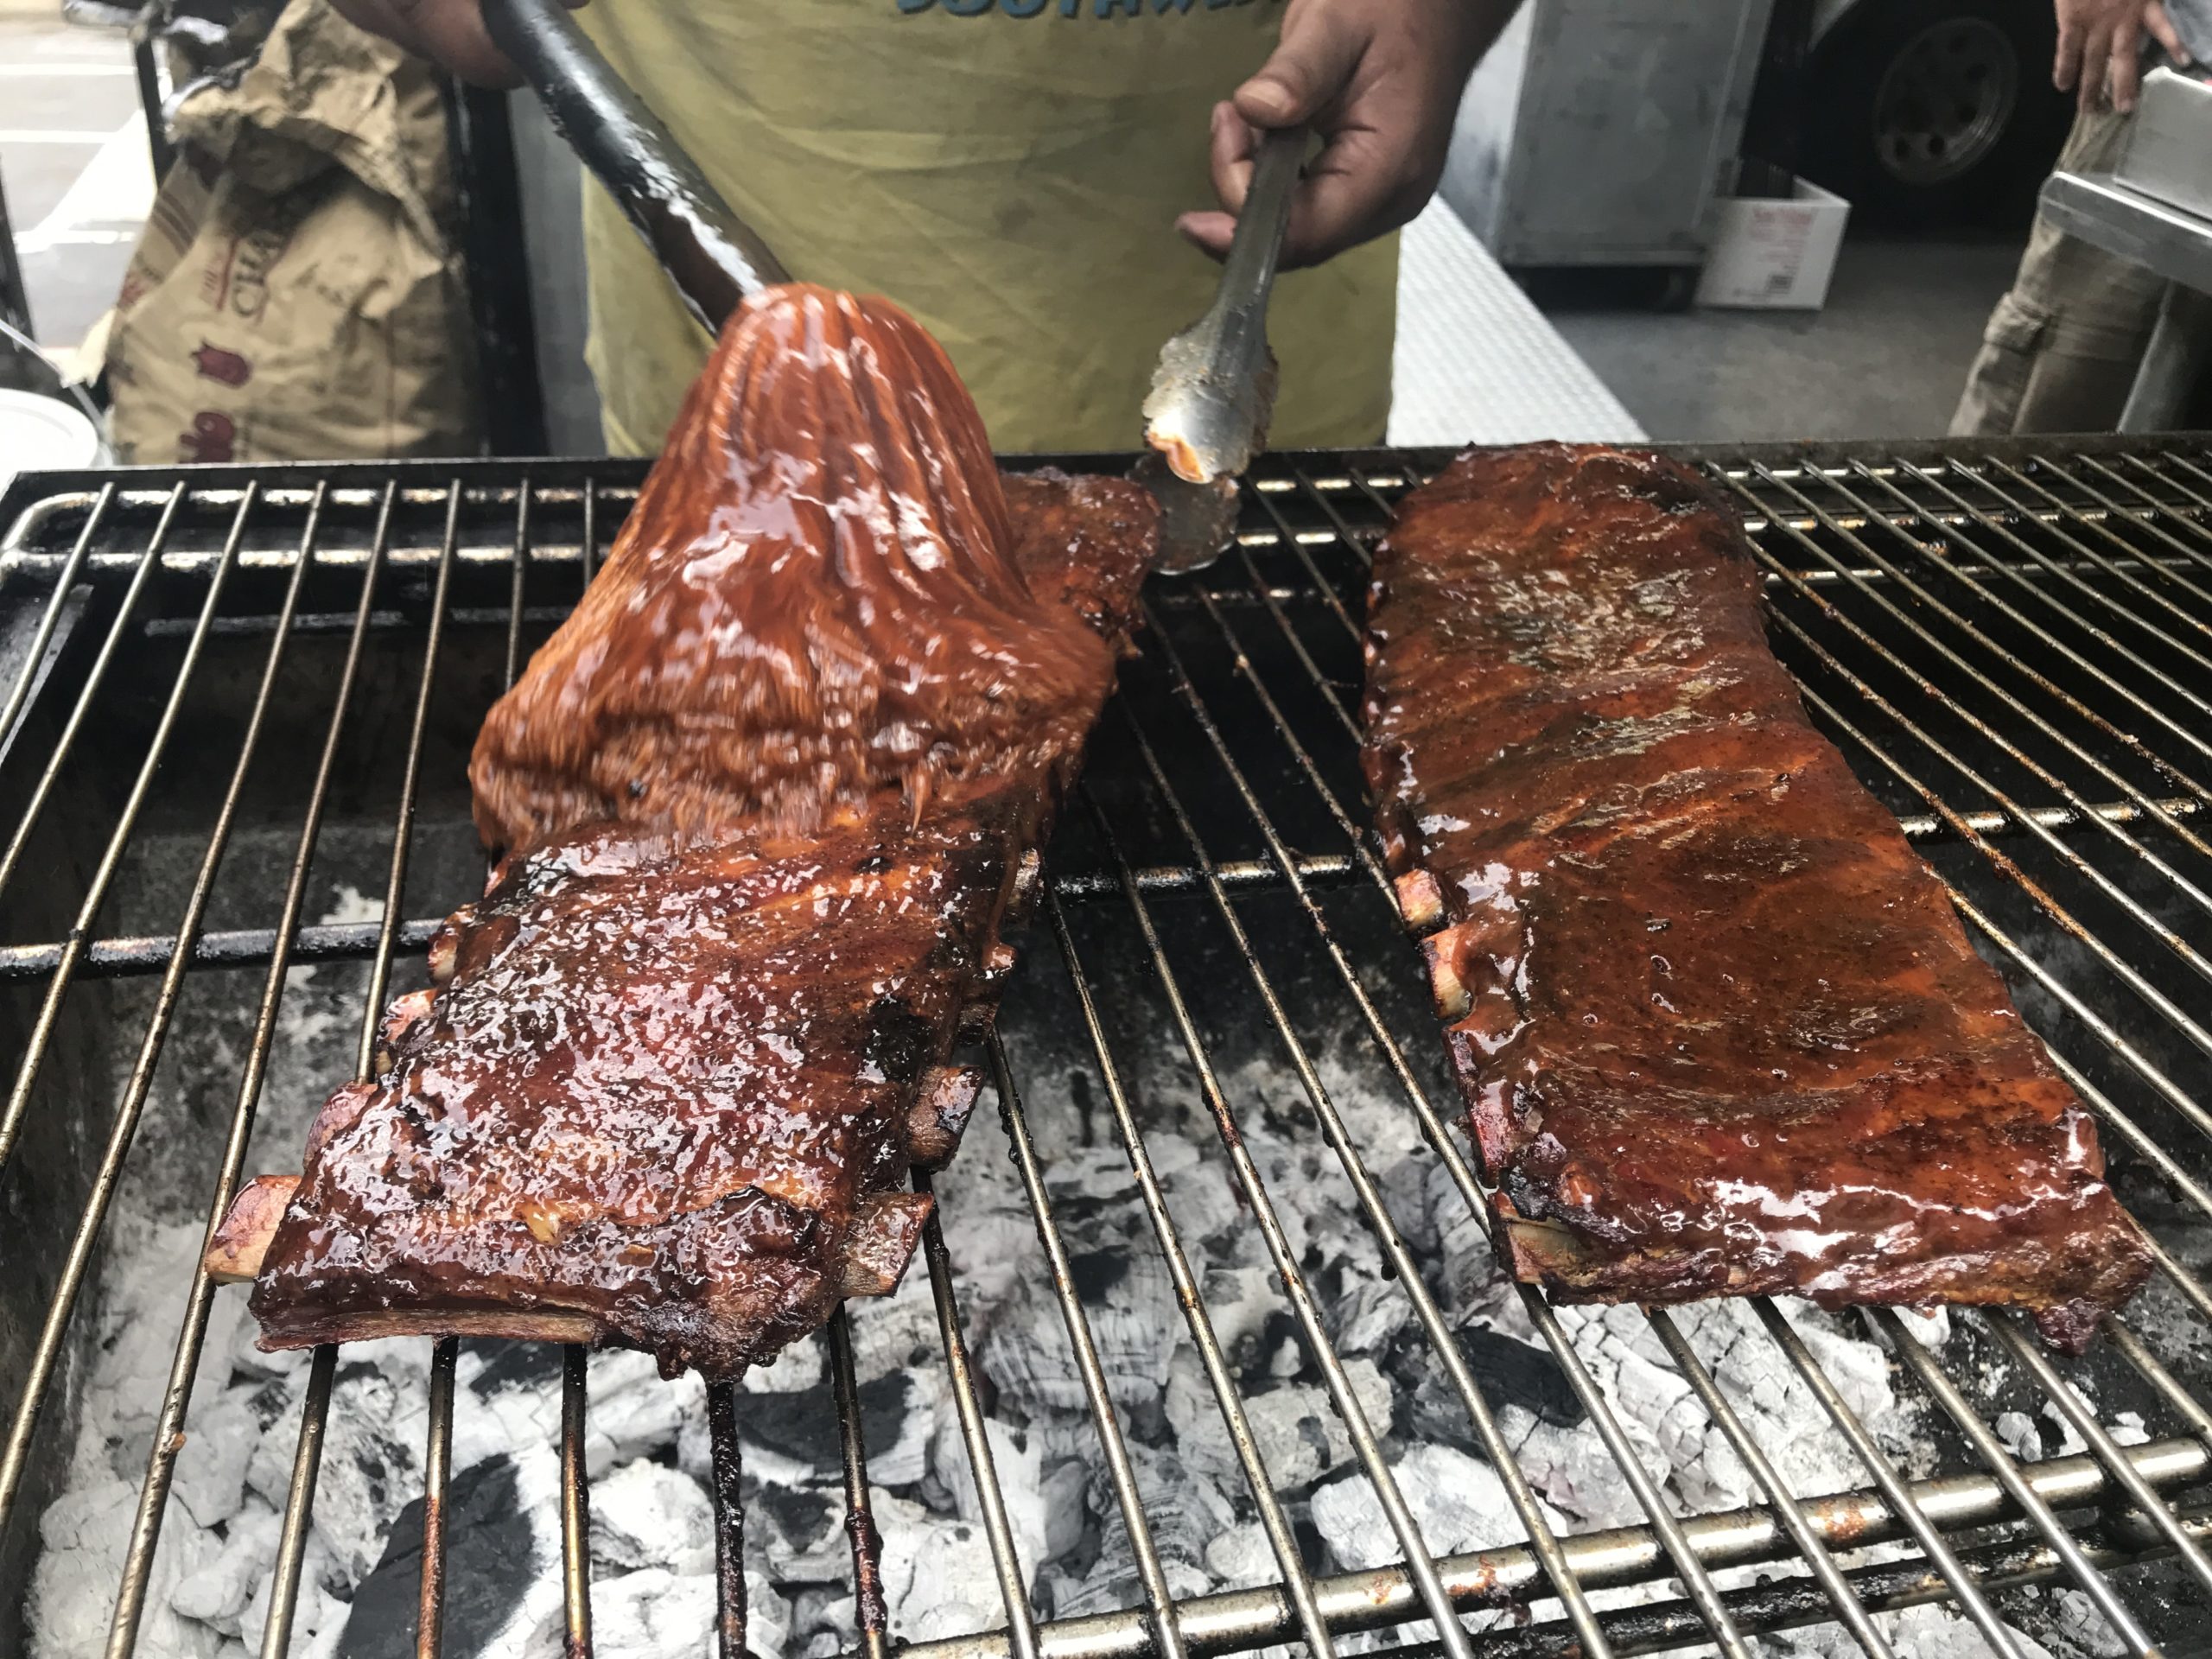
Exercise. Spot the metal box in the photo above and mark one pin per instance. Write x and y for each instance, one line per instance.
(1602, 132)
(2169, 153)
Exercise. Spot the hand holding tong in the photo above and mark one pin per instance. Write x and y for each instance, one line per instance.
(1215, 389)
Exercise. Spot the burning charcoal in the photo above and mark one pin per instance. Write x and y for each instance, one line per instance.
(502, 1553)
(2060, 1437)
(1572, 1471)
(1368, 1313)
(1939, 1633)
(891, 1333)
(1184, 1509)
(1859, 1369)
(1242, 1556)
(1240, 1302)
(494, 1365)
(371, 1459)
(1929, 1327)
(1656, 1398)
(1016, 1459)
(790, 1437)
(633, 1413)
(799, 1366)
(2017, 1430)
(658, 1614)
(1405, 1185)
(318, 1621)
(85, 1533)
(219, 1594)
(1301, 1437)
(1298, 1434)
(1134, 1323)
(210, 1480)
(938, 1576)
(644, 1514)
(1508, 1372)
(1200, 1434)
(1202, 1199)
(1459, 1502)
(898, 1413)
(245, 1356)
(1185, 1513)
(804, 1528)
(1067, 1514)
(2080, 1623)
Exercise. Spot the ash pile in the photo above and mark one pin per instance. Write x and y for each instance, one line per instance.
(651, 1540)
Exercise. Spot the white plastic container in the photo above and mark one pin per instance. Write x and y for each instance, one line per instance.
(40, 434)
(1774, 255)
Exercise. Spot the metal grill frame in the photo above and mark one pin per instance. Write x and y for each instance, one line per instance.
(1863, 546)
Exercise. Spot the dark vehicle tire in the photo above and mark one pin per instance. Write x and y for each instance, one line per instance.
(1928, 116)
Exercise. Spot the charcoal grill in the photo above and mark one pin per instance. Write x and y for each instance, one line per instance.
(2011, 643)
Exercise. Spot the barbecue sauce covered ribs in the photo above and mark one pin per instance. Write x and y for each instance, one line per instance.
(1718, 1030)
(767, 798)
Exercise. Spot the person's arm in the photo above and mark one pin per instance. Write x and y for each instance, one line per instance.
(1380, 81)
(2100, 48)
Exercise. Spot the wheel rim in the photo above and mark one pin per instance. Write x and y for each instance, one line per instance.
(1944, 100)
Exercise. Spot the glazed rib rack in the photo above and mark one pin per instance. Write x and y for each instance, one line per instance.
(2012, 644)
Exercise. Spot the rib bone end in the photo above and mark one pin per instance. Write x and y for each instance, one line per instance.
(940, 1112)
(1420, 900)
(1453, 1000)
(243, 1238)
(882, 1241)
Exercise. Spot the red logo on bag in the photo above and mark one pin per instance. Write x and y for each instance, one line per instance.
(213, 437)
(226, 367)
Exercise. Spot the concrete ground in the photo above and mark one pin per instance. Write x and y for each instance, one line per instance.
(1885, 357)
(74, 162)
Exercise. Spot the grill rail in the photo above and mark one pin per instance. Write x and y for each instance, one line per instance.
(2012, 642)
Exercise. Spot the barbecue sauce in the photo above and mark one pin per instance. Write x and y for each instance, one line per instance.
(1718, 1029)
(669, 1085)
(814, 601)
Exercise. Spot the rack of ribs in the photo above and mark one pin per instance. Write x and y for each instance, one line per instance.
(766, 799)
(1718, 1030)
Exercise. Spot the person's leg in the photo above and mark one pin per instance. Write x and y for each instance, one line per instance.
(2061, 347)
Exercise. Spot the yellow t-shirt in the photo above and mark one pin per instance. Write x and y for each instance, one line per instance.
(1007, 170)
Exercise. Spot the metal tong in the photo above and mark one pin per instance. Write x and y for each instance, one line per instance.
(1215, 389)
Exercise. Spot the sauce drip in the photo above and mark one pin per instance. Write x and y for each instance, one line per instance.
(814, 602)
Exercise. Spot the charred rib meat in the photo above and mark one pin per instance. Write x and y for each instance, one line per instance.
(768, 797)
(1718, 1029)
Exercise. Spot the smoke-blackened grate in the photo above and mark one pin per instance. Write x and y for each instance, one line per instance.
(1225, 1362)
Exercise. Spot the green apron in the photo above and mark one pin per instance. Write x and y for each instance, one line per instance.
(1007, 170)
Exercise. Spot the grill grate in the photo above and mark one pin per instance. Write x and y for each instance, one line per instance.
(2011, 644)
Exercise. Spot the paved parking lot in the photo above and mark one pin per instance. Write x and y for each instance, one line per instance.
(74, 162)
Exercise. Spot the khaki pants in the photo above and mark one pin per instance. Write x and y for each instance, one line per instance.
(2062, 347)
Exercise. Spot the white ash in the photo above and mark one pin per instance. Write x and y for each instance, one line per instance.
(647, 1448)
(1925, 1632)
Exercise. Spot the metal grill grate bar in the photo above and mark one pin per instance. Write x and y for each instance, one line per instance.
(1385, 1231)
(1510, 1577)
(46, 1355)
(1167, 1639)
(1298, 1582)
(168, 1433)
(2021, 643)
(1440, 1138)
(576, 1502)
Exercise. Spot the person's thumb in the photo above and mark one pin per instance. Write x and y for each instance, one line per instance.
(1309, 66)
